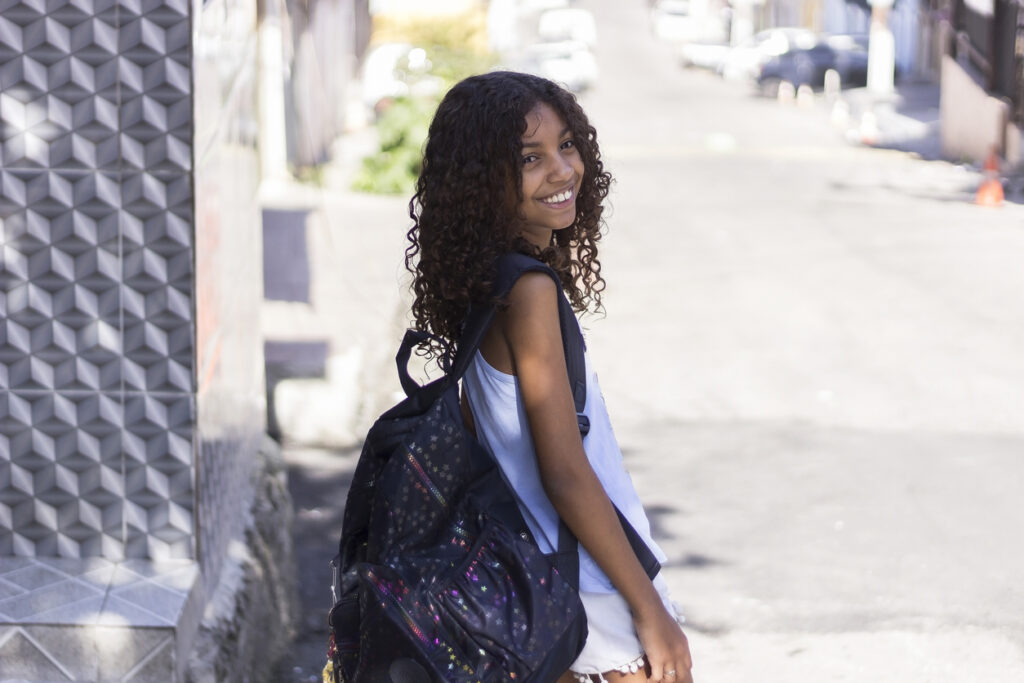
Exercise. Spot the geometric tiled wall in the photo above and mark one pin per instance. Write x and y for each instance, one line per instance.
(97, 372)
(130, 378)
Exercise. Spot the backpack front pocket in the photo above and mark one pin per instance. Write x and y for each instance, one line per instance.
(509, 605)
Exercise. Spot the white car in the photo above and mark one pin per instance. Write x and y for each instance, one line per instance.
(671, 20)
(568, 24)
(530, 6)
(744, 61)
(568, 62)
(708, 56)
(676, 21)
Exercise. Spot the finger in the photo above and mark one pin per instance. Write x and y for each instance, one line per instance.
(657, 671)
(671, 673)
(687, 657)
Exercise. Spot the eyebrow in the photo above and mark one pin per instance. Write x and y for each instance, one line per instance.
(564, 132)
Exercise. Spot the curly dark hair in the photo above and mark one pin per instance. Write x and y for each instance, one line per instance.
(465, 209)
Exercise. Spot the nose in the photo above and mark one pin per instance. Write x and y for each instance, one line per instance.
(560, 169)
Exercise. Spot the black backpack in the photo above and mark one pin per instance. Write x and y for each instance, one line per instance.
(438, 577)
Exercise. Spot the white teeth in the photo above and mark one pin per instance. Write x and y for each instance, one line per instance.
(558, 198)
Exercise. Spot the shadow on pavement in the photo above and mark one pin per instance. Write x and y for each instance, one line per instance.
(660, 517)
(318, 482)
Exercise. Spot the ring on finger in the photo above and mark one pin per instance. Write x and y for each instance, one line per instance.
(671, 672)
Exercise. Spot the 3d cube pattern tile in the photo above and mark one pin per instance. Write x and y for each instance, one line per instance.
(95, 85)
(61, 489)
(96, 286)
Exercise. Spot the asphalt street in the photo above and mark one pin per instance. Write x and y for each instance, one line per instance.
(811, 353)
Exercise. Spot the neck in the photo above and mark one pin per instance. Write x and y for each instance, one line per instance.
(539, 237)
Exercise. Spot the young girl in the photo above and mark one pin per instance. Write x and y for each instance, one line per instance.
(512, 164)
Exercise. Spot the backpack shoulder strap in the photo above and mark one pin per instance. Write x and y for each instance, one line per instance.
(510, 268)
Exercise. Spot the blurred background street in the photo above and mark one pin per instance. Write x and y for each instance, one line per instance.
(811, 355)
(811, 349)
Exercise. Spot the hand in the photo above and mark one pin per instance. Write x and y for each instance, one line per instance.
(666, 647)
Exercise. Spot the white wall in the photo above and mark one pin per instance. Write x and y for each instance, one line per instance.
(971, 121)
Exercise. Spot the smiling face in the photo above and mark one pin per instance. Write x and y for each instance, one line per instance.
(551, 177)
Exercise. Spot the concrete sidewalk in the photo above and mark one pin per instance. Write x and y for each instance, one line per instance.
(774, 534)
(355, 307)
(318, 480)
(907, 120)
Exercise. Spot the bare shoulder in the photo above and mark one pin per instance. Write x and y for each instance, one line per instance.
(526, 326)
(531, 291)
(530, 323)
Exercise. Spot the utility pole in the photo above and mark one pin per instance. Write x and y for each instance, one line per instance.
(881, 50)
(273, 134)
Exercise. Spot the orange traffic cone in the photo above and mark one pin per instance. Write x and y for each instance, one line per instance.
(990, 193)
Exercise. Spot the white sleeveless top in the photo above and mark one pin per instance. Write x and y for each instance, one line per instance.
(502, 428)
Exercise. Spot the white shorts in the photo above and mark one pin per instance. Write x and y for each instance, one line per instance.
(612, 643)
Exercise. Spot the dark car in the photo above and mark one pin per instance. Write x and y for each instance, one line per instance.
(846, 55)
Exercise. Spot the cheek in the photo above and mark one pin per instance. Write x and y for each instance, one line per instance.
(531, 182)
(579, 167)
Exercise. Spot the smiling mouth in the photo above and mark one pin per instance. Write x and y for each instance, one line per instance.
(559, 199)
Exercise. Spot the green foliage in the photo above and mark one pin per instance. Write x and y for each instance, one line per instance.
(402, 130)
(454, 52)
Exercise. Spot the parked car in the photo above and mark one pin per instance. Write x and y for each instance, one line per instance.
(568, 24)
(845, 55)
(744, 61)
(531, 6)
(568, 62)
(709, 56)
(673, 21)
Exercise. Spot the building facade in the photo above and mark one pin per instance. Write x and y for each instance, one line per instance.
(983, 79)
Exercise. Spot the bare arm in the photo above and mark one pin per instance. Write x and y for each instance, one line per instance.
(530, 326)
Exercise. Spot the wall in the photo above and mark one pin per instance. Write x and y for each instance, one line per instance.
(971, 121)
(131, 398)
(102, 216)
(96, 353)
(229, 258)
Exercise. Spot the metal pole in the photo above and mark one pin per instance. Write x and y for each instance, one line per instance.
(881, 50)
